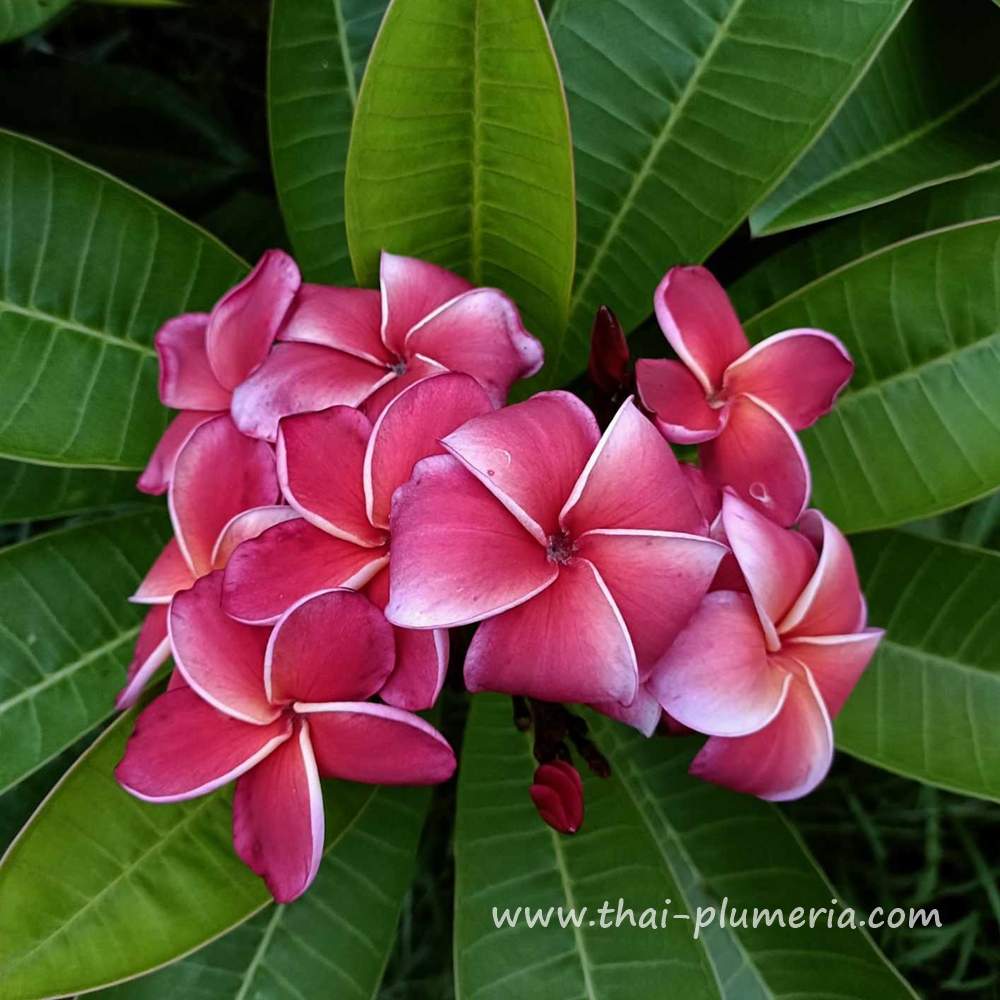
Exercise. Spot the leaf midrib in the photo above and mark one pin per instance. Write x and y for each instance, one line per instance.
(39, 315)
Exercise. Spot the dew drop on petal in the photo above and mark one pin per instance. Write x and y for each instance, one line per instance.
(760, 494)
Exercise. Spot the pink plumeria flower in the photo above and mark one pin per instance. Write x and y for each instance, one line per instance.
(276, 710)
(204, 356)
(740, 404)
(764, 672)
(374, 344)
(581, 552)
(223, 491)
(338, 472)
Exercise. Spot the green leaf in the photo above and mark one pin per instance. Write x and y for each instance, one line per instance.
(67, 632)
(506, 857)
(928, 704)
(684, 116)
(19, 17)
(918, 430)
(978, 524)
(727, 847)
(318, 50)
(89, 270)
(460, 154)
(40, 492)
(100, 887)
(925, 113)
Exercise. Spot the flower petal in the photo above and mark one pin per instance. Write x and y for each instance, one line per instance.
(831, 602)
(458, 556)
(716, 678)
(785, 760)
(836, 662)
(479, 333)
(776, 563)
(332, 646)
(643, 714)
(411, 289)
(247, 525)
(160, 468)
(657, 580)
(246, 319)
(759, 456)
(219, 473)
(377, 744)
(698, 319)
(799, 373)
(410, 429)
(321, 459)
(301, 378)
(152, 650)
(417, 369)
(266, 575)
(182, 747)
(632, 480)
(222, 659)
(166, 576)
(346, 319)
(530, 455)
(186, 378)
(278, 823)
(569, 643)
(677, 401)
(707, 498)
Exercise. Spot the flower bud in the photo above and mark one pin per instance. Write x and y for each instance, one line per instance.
(558, 796)
(608, 353)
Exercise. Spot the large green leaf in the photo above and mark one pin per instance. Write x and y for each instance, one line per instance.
(927, 706)
(977, 525)
(100, 887)
(89, 269)
(18, 17)
(924, 113)
(67, 632)
(318, 50)
(918, 429)
(721, 846)
(40, 492)
(506, 858)
(684, 116)
(460, 154)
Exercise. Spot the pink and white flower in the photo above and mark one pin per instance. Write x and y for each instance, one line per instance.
(764, 672)
(740, 404)
(275, 710)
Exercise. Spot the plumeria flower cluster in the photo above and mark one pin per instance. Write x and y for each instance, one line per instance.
(347, 485)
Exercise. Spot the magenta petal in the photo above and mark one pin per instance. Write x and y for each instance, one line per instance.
(247, 525)
(152, 650)
(411, 289)
(632, 480)
(831, 602)
(219, 474)
(836, 662)
(785, 760)
(677, 401)
(331, 646)
(377, 744)
(569, 643)
(302, 378)
(417, 369)
(346, 319)
(480, 333)
(321, 459)
(266, 575)
(716, 678)
(643, 714)
(707, 498)
(458, 556)
(187, 381)
(166, 576)
(557, 792)
(657, 581)
(698, 319)
(799, 373)
(222, 659)
(278, 823)
(759, 456)
(182, 747)
(530, 455)
(160, 468)
(246, 319)
(410, 429)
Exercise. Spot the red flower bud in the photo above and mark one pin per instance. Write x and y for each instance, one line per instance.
(558, 796)
(608, 353)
